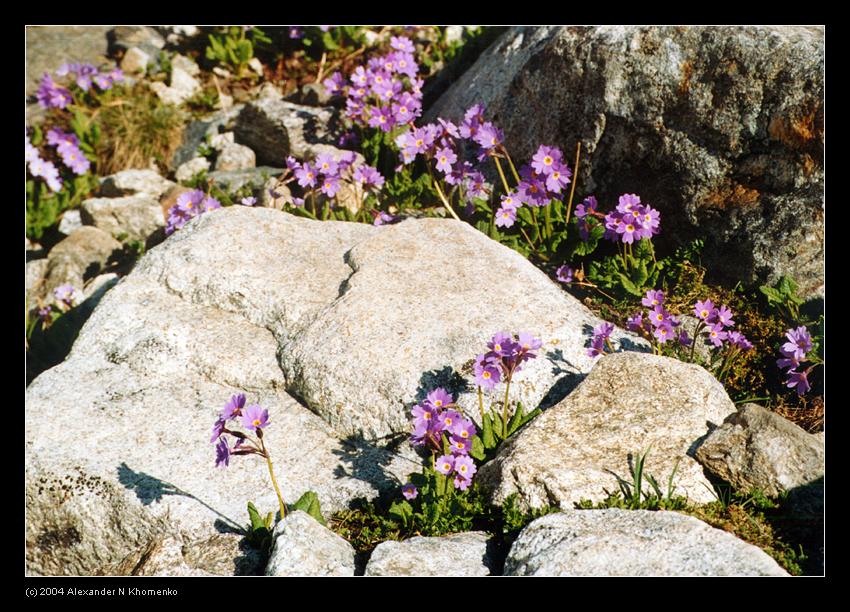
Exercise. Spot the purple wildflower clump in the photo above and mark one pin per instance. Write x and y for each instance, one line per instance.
(385, 92)
(40, 168)
(188, 206)
(329, 177)
(601, 339)
(629, 222)
(68, 148)
(717, 323)
(656, 322)
(437, 421)
(794, 353)
(253, 418)
(564, 274)
(51, 95)
(66, 296)
(506, 355)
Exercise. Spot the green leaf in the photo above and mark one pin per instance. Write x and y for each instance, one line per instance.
(403, 511)
(640, 274)
(309, 503)
(488, 438)
(628, 285)
(773, 296)
(528, 417)
(516, 419)
(477, 451)
(256, 521)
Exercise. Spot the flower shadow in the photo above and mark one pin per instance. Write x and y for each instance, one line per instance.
(149, 489)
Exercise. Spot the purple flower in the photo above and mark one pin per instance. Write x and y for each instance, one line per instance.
(799, 343)
(222, 453)
(400, 43)
(448, 418)
(716, 334)
(603, 330)
(635, 323)
(445, 158)
(799, 380)
(218, 429)
(545, 159)
(587, 207)
(558, 178)
(684, 339)
(528, 342)
(249, 201)
(505, 217)
(463, 429)
(460, 446)
(74, 159)
(439, 398)
(306, 176)
(659, 316)
(409, 491)
(51, 95)
(445, 464)
(704, 310)
(382, 218)
(65, 294)
(488, 136)
(627, 202)
(564, 274)
(597, 347)
(486, 374)
(663, 332)
(44, 312)
(629, 231)
(233, 408)
(369, 177)
(296, 32)
(330, 187)
(724, 316)
(464, 467)
(255, 417)
(57, 138)
(653, 298)
(334, 83)
(326, 164)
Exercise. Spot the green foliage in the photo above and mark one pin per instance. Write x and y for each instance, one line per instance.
(493, 431)
(44, 207)
(406, 192)
(234, 47)
(631, 273)
(259, 532)
(309, 503)
(204, 101)
(784, 299)
(633, 496)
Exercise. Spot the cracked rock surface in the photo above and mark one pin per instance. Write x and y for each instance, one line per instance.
(264, 303)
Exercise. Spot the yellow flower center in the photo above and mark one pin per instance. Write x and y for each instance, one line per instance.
(462, 469)
(256, 422)
(485, 374)
(630, 228)
(438, 403)
(419, 142)
(703, 313)
(402, 110)
(547, 160)
(497, 347)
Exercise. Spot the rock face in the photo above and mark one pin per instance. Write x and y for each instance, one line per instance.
(78, 258)
(721, 129)
(756, 448)
(134, 182)
(136, 217)
(233, 156)
(617, 542)
(303, 547)
(321, 310)
(461, 554)
(629, 403)
(275, 129)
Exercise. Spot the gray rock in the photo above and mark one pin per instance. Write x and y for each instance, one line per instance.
(137, 217)
(617, 542)
(135, 60)
(176, 35)
(758, 449)
(269, 90)
(186, 65)
(35, 272)
(48, 47)
(454, 34)
(78, 257)
(220, 141)
(183, 82)
(190, 168)
(234, 180)
(315, 94)
(163, 556)
(134, 182)
(256, 65)
(275, 129)
(629, 403)
(145, 38)
(198, 131)
(303, 547)
(720, 128)
(95, 289)
(235, 157)
(70, 222)
(460, 554)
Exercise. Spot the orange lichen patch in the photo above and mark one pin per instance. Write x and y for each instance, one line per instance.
(731, 195)
(809, 165)
(687, 71)
(798, 129)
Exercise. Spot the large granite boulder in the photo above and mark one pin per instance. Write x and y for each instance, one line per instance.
(720, 128)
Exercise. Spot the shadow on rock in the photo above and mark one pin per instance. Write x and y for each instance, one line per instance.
(149, 489)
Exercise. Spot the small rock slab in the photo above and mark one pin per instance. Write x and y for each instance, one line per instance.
(758, 449)
(460, 554)
(629, 403)
(616, 542)
(78, 257)
(134, 182)
(138, 217)
(304, 547)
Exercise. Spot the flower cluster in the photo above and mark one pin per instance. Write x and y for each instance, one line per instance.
(189, 205)
(52, 95)
(718, 322)
(253, 418)
(68, 148)
(656, 321)
(330, 175)
(601, 338)
(386, 92)
(435, 419)
(66, 296)
(41, 168)
(794, 353)
(505, 357)
(629, 221)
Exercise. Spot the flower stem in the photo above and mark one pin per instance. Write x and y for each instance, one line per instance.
(573, 188)
(271, 473)
(442, 197)
(502, 175)
(505, 408)
(481, 406)
(511, 164)
(694, 341)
